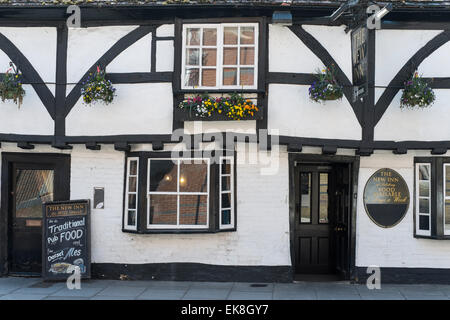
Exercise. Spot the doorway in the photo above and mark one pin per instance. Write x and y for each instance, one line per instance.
(28, 180)
(323, 213)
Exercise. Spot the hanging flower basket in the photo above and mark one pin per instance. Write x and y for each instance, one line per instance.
(97, 88)
(326, 87)
(235, 107)
(11, 86)
(417, 93)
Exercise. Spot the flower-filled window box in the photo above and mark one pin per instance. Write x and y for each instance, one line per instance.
(207, 108)
(11, 86)
(97, 88)
(326, 87)
(417, 93)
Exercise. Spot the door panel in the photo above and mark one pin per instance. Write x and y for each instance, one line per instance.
(32, 180)
(31, 187)
(312, 228)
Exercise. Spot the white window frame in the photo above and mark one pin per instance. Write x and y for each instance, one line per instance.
(178, 194)
(219, 58)
(418, 197)
(231, 191)
(127, 192)
(445, 197)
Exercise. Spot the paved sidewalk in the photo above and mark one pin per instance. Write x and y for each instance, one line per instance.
(12, 288)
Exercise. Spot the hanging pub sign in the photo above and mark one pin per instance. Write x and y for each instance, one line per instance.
(66, 239)
(360, 65)
(386, 198)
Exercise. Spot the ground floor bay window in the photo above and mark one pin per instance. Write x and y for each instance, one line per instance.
(432, 197)
(185, 194)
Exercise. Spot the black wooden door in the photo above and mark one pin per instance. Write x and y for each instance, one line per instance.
(341, 217)
(313, 227)
(31, 183)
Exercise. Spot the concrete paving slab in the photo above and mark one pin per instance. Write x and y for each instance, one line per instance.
(111, 298)
(207, 294)
(253, 287)
(245, 295)
(211, 285)
(21, 296)
(121, 291)
(83, 292)
(162, 294)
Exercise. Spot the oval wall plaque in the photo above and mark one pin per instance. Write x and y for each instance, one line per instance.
(386, 198)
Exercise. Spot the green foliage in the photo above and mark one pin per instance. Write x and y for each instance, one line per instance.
(417, 93)
(97, 89)
(11, 86)
(326, 87)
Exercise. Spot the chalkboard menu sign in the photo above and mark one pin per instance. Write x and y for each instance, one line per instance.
(386, 198)
(66, 239)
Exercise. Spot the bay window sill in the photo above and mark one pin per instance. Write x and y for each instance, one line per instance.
(178, 231)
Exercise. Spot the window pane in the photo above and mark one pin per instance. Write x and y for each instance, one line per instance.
(424, 188)
(424, 223)
(163, 176)
(193, 209)
(447, 215)
(247, 35)
(424, 172)
(132, 201)
(323, 200)
(132, 184)
(191, 77)
(209, 57)
(209, 77)
(305, 200)
(226, 167)
(247, 77)
(33, 187)
(193, 177)
(193, 57)
(226, 183)
(230, 56)
(226, 217)
(229, 76)
(163, 209)
(133, 167)
(230, 35)
(226, 200)
(209, 37)
(193, 36)
(447, 181)
(131, 221)
(424, 206)
(247, 56)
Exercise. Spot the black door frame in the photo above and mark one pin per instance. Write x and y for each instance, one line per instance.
(332, 159)
(62, 182)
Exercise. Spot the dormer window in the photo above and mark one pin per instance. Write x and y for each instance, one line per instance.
(220, 56)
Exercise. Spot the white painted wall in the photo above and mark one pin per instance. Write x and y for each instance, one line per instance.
(263, 219)
(31, 118)
(430, 124)
(396, 246)
(137, 109)
(38, 45)
(98, 40)
(294, 114)
(287, 53)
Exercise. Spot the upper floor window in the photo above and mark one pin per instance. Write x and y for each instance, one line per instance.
(220, 56)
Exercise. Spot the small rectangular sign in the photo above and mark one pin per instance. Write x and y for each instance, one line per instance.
(66, 239)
